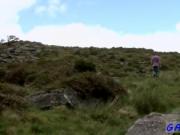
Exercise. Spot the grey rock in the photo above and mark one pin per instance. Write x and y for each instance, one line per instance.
(152, 124)
(11, 50)
(20, 51)
(46, 100)
(3, 60)
(3, 55)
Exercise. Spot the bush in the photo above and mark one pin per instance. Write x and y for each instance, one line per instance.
(90, 85)
(2, 73)
(83, 66)
(149, 98)
(40, 80)
(11, 97)
(17, 75)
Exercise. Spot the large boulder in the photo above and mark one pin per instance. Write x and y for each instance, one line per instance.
(49, 99)
(153, 124)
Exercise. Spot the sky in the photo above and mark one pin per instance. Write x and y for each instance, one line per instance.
(152, 24)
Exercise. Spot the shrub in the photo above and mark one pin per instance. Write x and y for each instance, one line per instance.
(17, 75)
(149, 98)
(83, 66)
(2, 73)
(11, 97)
(90, 85)
(40, 80)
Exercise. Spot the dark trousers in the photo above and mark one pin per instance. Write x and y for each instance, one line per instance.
(155, 71)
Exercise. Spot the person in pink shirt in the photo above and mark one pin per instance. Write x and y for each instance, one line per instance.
(155, 61)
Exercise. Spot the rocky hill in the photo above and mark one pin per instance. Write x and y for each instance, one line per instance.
(70, 90)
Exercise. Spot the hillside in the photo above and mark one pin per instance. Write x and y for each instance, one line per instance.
(53, 90)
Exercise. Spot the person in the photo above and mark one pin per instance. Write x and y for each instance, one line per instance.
(155, 61)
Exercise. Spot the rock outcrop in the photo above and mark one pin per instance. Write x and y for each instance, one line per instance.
(20, 51)
(47, 100)
(153, 124)
(68, 97)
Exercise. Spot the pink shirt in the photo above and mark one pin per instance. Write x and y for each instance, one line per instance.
(155, 60)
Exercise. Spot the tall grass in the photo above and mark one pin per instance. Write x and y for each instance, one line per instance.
(148, 100)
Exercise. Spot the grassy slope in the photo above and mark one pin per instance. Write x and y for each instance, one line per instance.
(129, 67)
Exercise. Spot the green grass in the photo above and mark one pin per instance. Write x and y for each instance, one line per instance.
(60, 120)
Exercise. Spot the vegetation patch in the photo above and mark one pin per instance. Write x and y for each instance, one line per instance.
(84, 66)
(90, 85)
(11, 97)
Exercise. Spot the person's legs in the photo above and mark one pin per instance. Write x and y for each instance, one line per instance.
(156, 71)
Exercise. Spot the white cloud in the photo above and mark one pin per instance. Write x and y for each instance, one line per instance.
(79, 34)
(178, 26)
(161, 41)
(53, 8)
(9, 10)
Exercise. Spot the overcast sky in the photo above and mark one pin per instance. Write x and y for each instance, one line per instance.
(151, 24)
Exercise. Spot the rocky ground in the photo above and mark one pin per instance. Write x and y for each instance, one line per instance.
(20, 51)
